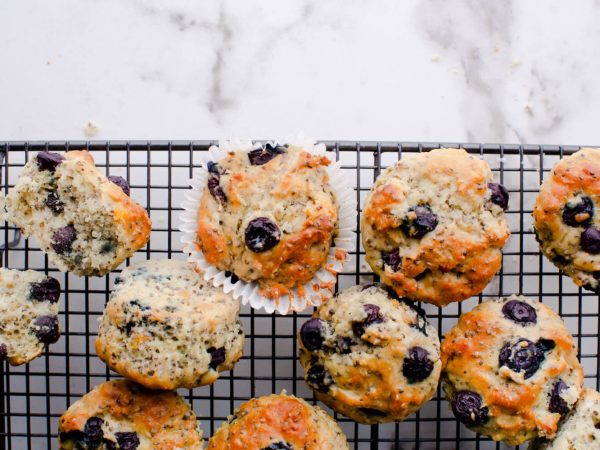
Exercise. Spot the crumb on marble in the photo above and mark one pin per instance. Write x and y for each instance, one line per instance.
(435, 58)
(90, 129)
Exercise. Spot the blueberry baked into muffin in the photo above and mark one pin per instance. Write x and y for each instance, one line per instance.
(510, 370)
(579, 430)
(370, 356)
(279, 422)
(84, 221)
(268, 216)
(433, 226)
(121, 415)
(567, 219)
(28, 314)
(166, 328)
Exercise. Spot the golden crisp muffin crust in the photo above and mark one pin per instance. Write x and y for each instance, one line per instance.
(268, 217)
(580, 430)
(279, 422)
(567, 220)
(510, 370)
(167, 328)
(433, 226)
(28, 314)
(84, 221)
(120, 414)
(370, 356)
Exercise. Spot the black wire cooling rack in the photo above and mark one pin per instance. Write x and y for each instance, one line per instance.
(35, 395)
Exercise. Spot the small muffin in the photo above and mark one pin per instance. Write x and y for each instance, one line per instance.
(166, 328)
(28, 314)
(433, 226)
(580, 429)
(268, 216)
(279, 422)
(84, 221)
(121, 415)
(510, 370)
(370, 356)
(566, 219)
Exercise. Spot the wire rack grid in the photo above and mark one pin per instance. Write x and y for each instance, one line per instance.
(35, 395)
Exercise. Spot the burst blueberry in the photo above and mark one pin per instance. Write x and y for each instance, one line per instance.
(499, 195)
(468, 407)
(49, 160)
(419, 221)
(262, 156)
(578, 213)
(392, 259)
(46, 329)
(215, 189)
(3, 352)
(318, 378)
(311, 334)
(278, 446)
(417, 366)
(92, 432)
(261, 234)
(557, 403)
(519, 312)
(217, 357)
(121, 182)
(127, 440)
(47, 290)
(63, 238)
(373, 317)
(54, 202)
(522, 355)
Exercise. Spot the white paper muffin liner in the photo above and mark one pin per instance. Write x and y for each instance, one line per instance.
(321, 287)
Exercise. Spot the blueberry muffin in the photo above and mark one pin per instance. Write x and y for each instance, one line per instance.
(566, 219)
(510, 370)
(84, 221)
(370, 356)
(268, 216)
(121, 415)
(166, 328)
(580, 429)
(433, 226)
(28, 314)
(279, 422)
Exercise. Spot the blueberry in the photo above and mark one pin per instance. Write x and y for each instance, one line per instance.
(92, 432)
(3, 352)
(419, 221)
(522, 356)
(214, 187)
(262, 156)
(392, 259)
(557, 403)
(344, 345)
(213, 167)
(318, 378)
(47, 290)
(46, 329)
(279, 446)
(417, 366)
(545, 345)
(590, 241)
(54, 202)
(373, 316)
(499, 195)
(217, 357)
(49, 160)
(519, 312)
(63, 238)
(127, 440)
(467, 407)
(311, 334)
(261, 234)
(121, 182)
(578, 214)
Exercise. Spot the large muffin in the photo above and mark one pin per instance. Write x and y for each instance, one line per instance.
(84, 221)
(279, 422)
(268, 216)
(580, 430)
(167, 328)
(433, 226)
(510, 370)
(121, 415)
(28, 314)
(566, 219)
(370, 356)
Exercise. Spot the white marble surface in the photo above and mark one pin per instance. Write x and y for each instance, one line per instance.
(453, 70)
